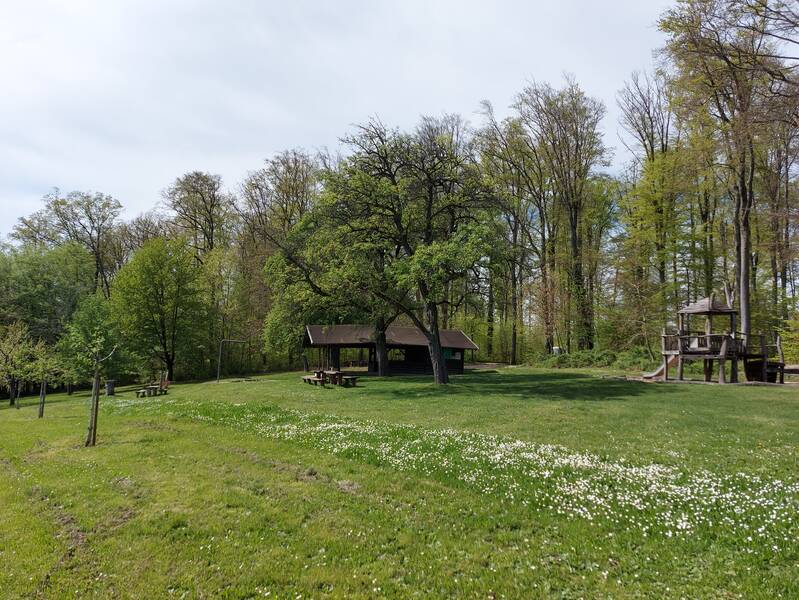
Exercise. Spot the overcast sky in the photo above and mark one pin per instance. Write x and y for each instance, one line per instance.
(122, 96)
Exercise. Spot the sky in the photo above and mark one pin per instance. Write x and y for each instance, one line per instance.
(123, 96)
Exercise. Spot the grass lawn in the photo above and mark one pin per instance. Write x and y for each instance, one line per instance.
(512, 483)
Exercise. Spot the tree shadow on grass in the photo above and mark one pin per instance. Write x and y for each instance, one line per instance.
(33, 401)
(524, 385)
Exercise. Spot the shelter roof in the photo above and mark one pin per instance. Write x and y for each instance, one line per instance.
(708, 306)
(396, 335)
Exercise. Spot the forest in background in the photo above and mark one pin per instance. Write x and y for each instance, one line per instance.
(512, 229)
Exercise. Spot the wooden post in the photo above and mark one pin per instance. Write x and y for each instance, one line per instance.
(764, 352)
(665, 356)
(708, 363)
(680, 368)
(722, 357)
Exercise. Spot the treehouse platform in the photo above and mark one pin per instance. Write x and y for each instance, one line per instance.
(761, 360)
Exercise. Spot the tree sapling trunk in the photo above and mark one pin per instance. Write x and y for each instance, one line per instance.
(42, 395)
(91, 437)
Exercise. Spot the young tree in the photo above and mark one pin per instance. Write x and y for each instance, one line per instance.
(45, 367)
(15, 357)
(90, 342)
(157, 301)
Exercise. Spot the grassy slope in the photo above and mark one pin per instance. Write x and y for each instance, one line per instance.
(169, 505)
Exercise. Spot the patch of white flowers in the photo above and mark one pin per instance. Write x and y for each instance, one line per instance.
(646, 498)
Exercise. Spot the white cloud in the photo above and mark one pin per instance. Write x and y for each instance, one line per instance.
(122, 96)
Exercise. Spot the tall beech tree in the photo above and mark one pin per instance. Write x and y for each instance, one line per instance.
(565, 122)
(719, 64)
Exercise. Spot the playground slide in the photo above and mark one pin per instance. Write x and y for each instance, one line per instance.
(659, 372)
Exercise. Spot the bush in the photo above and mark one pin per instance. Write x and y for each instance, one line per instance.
(635, 359)
(580, 359)
(790, 340)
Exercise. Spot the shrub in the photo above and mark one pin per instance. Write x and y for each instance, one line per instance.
(790, 340)
(634, 359)
(580, 359)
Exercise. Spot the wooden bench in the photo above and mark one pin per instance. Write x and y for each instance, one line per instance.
(153, 389)
(349, 380)
(313, 379)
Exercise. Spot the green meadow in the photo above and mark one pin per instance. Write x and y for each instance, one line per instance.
(507, 483)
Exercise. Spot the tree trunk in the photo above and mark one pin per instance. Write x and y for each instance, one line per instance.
(91, 436)
(514, 314)
(445, 306)
(744, 281)
(490, 316)
(42, 395)
(434, 345)
(583, 329)
(12, 392)
(381, 351)
(745, 200)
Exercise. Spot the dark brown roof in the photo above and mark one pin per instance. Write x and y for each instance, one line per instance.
(708, 306)
(396, 335)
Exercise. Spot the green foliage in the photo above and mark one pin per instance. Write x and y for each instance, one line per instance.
(580, 358)
(43, 286)
(635, 359)
(16, 355)
(46, 364)
(91, 339)
(790, 340)
(158, 304)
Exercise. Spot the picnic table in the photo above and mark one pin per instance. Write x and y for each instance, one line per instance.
(314, 379)
(153, 389)
(334, 377)
(348, 380)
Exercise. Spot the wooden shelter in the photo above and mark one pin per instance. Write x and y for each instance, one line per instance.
(407, 347)
(728, 346)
